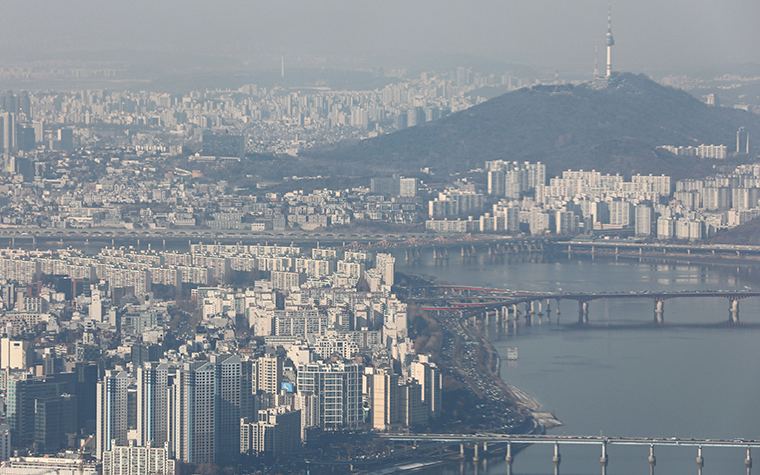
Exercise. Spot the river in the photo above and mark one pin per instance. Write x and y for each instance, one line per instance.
(694, 377)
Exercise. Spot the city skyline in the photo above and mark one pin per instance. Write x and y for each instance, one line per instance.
(652, 36)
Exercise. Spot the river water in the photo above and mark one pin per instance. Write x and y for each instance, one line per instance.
(694, 377)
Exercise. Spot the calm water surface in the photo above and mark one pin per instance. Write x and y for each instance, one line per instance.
(623, 377)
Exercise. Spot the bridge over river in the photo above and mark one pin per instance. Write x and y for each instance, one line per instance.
(505, 303)
(482, 441)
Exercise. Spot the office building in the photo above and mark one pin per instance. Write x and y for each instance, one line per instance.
(23, 392)
(5, 442)
(15, 354)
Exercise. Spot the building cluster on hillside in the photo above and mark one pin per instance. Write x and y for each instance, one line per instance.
(315, 342)
(712, 151)
(583, 201)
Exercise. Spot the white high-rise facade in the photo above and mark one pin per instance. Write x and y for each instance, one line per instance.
(338, 389)
(111, 411)
(152, 389)
(194, 417)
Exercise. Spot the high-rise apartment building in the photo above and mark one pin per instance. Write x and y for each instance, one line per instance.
(338, 389)
(138, 460)
(194, 417)
(152, 393)
(384, 399)
(268, 373)
(742, 141)
(277, 431)
(234, 402)
(112, 411)
(643, 220)
(428, 375)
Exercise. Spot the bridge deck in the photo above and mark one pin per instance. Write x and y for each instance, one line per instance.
(570, 440)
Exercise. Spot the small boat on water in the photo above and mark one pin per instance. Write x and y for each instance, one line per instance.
(512, 354)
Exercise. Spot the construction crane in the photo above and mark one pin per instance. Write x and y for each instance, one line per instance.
(81, 454)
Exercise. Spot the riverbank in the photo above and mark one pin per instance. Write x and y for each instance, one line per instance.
(468, 356)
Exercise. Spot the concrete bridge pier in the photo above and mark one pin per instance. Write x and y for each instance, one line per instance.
(556, 459)
(659, 312)
(461, 450)
(748, 461)
(700, 460)
(733, 310)
(582, 311)
(652, 460)
(475, 455)
(604, 459)
(508, 458)
(539, 313)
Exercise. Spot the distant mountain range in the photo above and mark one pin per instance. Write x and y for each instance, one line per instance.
(612, 126)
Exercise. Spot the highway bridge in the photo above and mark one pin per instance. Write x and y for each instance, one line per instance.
(467, 245)
(505, 304)
(480, 443)
(616, 247)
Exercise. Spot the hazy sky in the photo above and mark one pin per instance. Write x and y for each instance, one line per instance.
(650, 35)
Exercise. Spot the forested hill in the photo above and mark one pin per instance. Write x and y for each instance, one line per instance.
(610, 126)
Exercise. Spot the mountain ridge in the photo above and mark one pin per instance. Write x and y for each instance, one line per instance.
(612, 126)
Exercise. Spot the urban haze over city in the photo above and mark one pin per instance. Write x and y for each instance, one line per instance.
(379, 237)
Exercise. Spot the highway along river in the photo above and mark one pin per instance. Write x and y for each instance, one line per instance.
(622, 376)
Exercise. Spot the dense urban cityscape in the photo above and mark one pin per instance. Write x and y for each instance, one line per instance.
(210, 266)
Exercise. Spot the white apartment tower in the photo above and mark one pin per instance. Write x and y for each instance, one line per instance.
(384, 399)
(111, 411)
(194, 415)
(338, 388)
(386, 264)
(152, 409)
(268, 373)
(428, 375)
(643, 220)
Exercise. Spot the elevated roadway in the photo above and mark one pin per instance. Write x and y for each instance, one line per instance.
(472, 298)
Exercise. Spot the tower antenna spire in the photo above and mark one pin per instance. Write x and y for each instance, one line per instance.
(610, 41)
